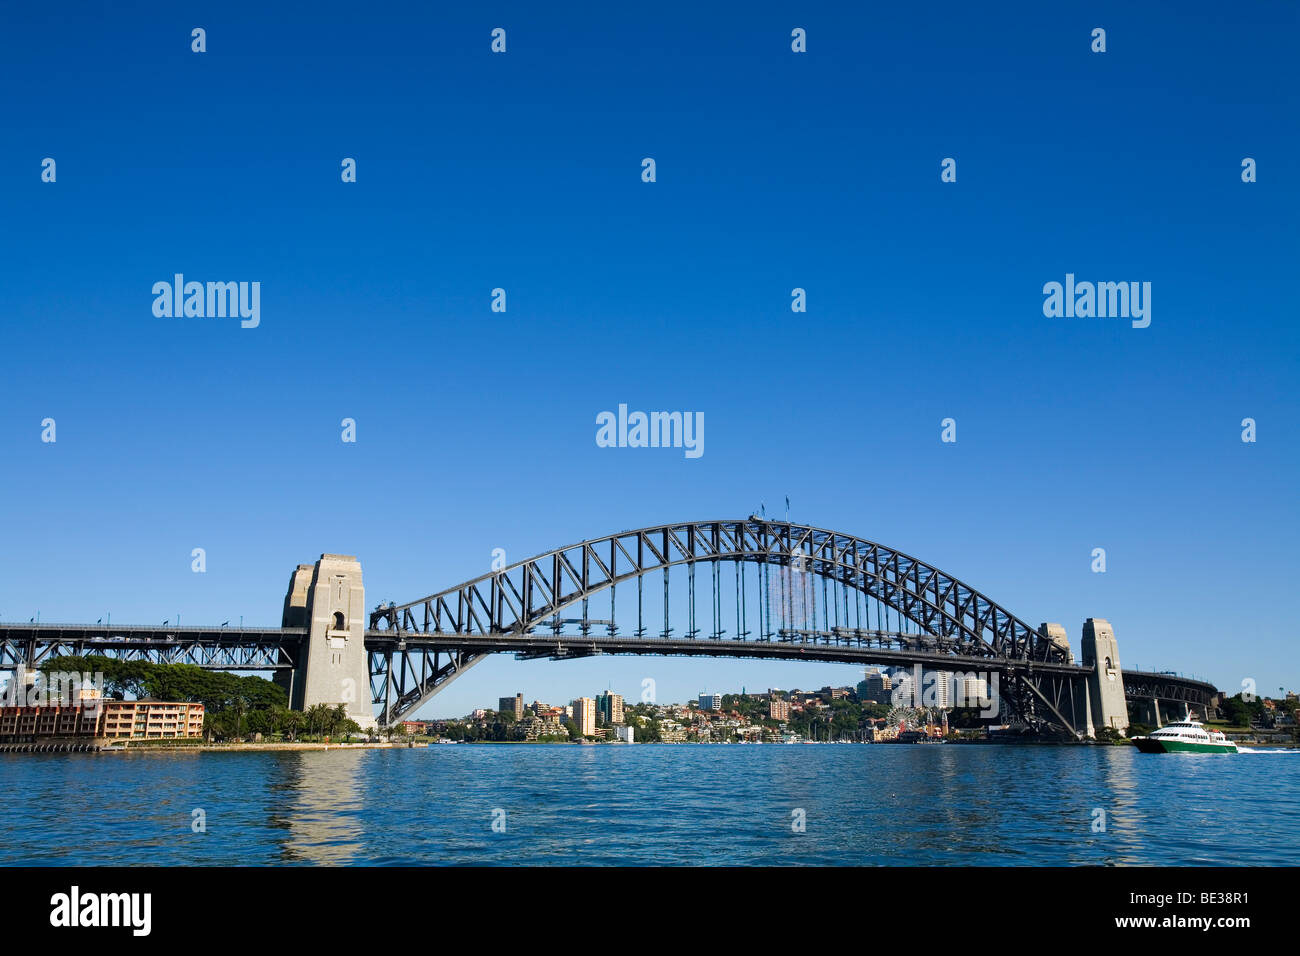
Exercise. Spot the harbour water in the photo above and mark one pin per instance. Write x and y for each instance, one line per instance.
(654, 804)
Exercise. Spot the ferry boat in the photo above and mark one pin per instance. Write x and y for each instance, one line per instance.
(1185, 736)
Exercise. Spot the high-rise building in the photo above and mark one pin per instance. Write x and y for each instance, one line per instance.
(943, 688)
(876, 687)
(584, 715)
(922, 688)
(610, 707)
(512, 705)
(778, 709)
(710, 701)
(971, 691)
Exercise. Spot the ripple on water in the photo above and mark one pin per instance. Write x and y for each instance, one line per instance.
(652, 804)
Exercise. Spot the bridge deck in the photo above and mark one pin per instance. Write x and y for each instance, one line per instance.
(273, 648)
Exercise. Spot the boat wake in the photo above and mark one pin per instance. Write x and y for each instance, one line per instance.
(1266, 750)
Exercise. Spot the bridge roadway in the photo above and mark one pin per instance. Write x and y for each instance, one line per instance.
(272, 649)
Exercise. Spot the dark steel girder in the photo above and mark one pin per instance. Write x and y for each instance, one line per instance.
(520, 597)
(30, 645)
(514, 601)
(1139, 685)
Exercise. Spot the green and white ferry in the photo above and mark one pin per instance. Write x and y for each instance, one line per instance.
(1185, 736)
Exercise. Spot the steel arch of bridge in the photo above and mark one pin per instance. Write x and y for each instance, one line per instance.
(531, 593)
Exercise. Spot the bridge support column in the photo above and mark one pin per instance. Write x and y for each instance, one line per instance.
(1081, 716)
(1106, 683)
(1079, 712)
(329, 600)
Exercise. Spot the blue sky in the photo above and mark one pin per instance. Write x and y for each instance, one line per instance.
(775, 170)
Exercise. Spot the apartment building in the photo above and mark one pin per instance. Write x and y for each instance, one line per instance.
(584, 716)
(610, 707)
(112, 719)
(151, 719)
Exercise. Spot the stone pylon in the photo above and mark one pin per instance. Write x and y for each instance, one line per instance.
(1106, 684)
(329, 600)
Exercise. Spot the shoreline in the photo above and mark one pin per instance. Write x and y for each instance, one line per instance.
(53, 745)
(101, 747)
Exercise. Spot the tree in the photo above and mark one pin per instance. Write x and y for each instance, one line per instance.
(338, 715)
(1239, 712)
(290, 723)
(260, 722)
(318, 718)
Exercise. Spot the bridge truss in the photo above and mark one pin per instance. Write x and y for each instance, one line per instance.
(811, 589)
(234, 649)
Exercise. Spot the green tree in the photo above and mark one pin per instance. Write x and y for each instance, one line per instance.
(291, 723)
(260, 722)
(338, 715)
(318, 719)
(1239, 712)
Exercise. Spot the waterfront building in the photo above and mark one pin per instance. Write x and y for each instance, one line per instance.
(552, 726)
(778, 709)
(527, 728)
(110, 719)
(584, 715)
(610, 707)
(625, 734)
(20, 723)
(710, 701)
(876, 687)
(511, 705)
(937, 686)
(151, 719)
(971, 691)
(671, 732)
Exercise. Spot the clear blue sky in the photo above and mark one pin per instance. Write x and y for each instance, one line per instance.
(476, 430)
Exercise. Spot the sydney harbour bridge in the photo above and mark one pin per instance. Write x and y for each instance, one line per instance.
(752, 587)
